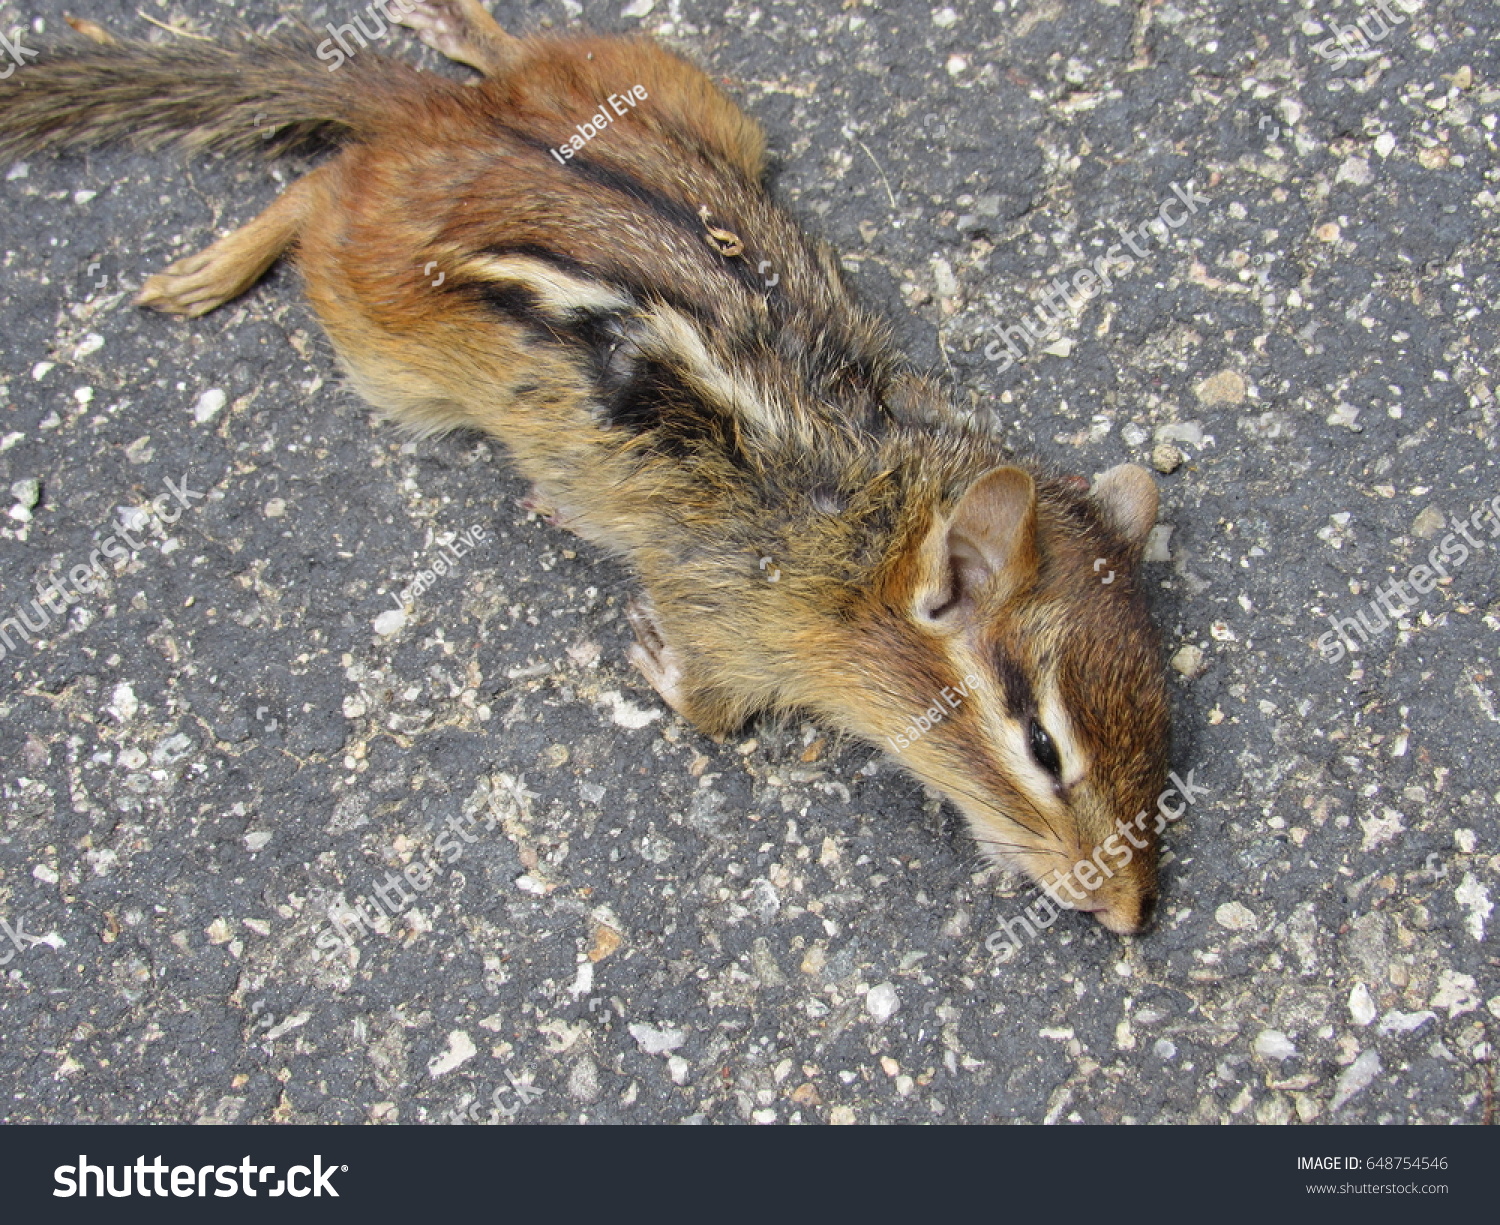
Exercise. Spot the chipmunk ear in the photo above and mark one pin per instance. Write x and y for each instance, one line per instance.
(981, 551)
(1127, 496)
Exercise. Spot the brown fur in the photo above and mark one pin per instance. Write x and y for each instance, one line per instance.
(609, 321)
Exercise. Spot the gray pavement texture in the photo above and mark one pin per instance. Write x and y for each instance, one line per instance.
(239, 726)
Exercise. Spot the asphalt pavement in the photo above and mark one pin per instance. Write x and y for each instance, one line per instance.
(242, 726)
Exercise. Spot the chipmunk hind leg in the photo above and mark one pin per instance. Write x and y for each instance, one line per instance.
(462, 30)
(204, 281)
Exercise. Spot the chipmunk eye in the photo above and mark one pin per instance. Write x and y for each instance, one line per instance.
(1044, 751)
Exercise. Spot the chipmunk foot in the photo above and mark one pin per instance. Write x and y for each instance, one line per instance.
(539, 504)
(462, 30)
(657, 662)
(192, 286)
(662, 666)
(221, 272)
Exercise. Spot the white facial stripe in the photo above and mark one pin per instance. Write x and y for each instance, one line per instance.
(1053, 715)
(1039, 785)
(557, 293)
(1011, 738)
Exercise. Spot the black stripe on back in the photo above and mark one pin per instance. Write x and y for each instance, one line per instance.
(517, 303)
(681, 422)
(638, 395)
(674, 212)
(668, 209)
(611, 277)
(545, 255)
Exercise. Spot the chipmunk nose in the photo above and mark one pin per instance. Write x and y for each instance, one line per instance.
(1125, 916)
(1116, 921)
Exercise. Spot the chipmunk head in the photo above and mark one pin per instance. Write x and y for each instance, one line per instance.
(1026, 682)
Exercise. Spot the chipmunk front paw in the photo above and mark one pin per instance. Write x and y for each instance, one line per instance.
(548, 509)
(666, 671)
(657, 662)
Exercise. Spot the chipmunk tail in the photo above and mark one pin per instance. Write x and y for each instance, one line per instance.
(260, 95)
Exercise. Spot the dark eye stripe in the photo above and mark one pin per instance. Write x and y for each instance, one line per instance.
(1044, 751)
(1017, 689)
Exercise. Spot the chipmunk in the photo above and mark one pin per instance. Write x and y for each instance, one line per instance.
(527, 255)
